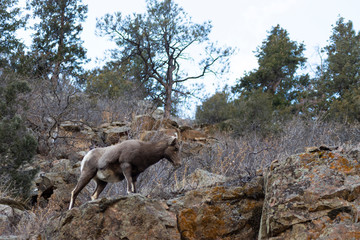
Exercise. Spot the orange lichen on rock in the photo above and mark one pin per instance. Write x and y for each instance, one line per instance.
(342, 164)
(313, 195)
(187, 224)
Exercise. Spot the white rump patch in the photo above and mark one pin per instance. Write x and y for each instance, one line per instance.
(85, 159)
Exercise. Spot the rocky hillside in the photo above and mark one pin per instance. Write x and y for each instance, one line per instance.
(311, 195)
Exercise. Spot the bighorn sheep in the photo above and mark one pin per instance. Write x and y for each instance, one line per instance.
(124, 160)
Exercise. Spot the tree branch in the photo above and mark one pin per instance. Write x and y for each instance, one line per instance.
(206, 67)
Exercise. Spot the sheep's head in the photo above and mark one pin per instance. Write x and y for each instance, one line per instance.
(172, 151)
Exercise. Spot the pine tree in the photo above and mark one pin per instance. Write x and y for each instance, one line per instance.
(342, 71)
(278, 59)
(10, 22)
(17, 145)
(57, 46)
(339, 80)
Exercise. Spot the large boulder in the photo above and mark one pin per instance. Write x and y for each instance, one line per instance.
(220, 212)
(198, 179)
(158, 134)
(166, 123)
(132, 217)
(313, 195)
(143, 123)
(189, 134)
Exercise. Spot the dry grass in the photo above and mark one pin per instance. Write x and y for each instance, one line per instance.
(247, 156)
(33, 224)
(28, 224)
(243, 157)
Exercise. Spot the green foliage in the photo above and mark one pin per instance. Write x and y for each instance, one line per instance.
(215, 109)
(159, 41)
(342, 71)
(10, 22)
(17, 145)
(254, 113)
(278, 60)
(270, 92)
(57, 48)
(9, 100)
(116, 79)
(338, 81)
(347, 108)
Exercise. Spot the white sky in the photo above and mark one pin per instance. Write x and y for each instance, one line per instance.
(239, 23)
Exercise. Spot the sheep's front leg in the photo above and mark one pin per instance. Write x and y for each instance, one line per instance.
(126, 169)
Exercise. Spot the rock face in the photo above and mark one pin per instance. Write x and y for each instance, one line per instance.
(56, 184)
(314, 195)
(220, 212)
(133, 217)
(201, 179)
(209, 213)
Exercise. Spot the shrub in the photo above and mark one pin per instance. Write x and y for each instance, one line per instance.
(347, 108)
(214, 109)
(254, 113)
(17, 145)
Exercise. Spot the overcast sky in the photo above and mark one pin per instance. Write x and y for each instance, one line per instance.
(243, 24)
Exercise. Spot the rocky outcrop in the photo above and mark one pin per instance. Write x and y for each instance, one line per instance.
(80, 137)
(132, 217)
(210, 213)
(313, 195)
(114, 132)
(188, 133)
(220, 212)
(56, 184)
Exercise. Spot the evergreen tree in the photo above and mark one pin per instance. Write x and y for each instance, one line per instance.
(215, 109)
(10, 22)
(254, 114)
(278, 59)
(338, 83)
(342, 67)
(57, 46)
(17, 145)
(117, 79)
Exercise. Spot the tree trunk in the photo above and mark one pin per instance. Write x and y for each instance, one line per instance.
(59, 54)
(169, 88)
(168, 102)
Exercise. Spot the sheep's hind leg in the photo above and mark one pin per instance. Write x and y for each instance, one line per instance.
(100, 185)
(126, 169)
